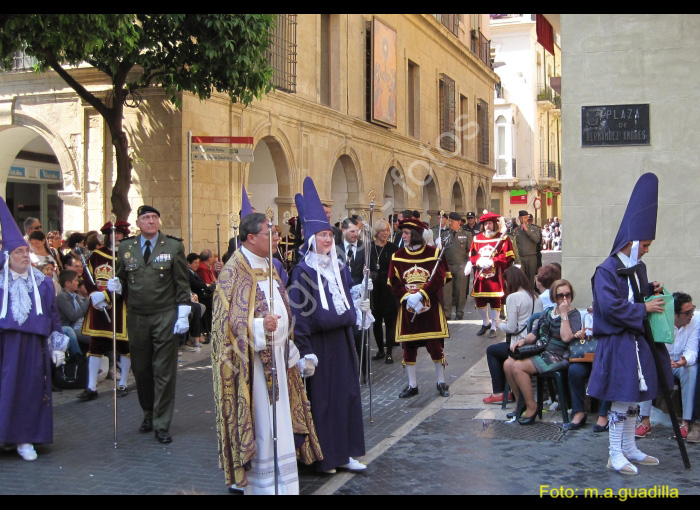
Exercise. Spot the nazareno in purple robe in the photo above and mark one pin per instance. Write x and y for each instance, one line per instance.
(334, 389)
(618, 325)
(26, 415)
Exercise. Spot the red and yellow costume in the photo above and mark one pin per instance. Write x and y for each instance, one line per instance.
(488, 282)
(409, 272)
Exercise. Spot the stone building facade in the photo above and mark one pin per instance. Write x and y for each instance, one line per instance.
(437, 155)
(631, 59)
(527, 118)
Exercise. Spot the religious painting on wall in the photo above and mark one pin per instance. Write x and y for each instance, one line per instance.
(384, 97)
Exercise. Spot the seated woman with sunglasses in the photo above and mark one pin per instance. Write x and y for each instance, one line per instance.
(521, 302)
(557, 326)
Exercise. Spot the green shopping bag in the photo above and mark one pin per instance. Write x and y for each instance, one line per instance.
(662, 323)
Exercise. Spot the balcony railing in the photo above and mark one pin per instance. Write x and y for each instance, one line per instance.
(503, 171)
(547, 93)
(481, 46)
(550, 170)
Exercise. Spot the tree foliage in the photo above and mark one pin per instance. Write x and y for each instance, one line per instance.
(197, 53)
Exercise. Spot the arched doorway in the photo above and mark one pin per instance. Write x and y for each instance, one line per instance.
(344, 188)
(480, 200)
(394, 193)
(269, 177)
(32, 177)
(431, 201)
(457, 202)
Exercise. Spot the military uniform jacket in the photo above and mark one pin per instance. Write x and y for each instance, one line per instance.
(156, 286)
(457, 253)
(528, 240)
(96, 324)
(409, 271)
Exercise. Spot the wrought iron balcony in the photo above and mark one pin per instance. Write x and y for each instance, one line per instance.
(550, 170)
(547, 93)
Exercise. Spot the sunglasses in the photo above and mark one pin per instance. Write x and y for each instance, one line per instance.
(688, 313)
(566, 295)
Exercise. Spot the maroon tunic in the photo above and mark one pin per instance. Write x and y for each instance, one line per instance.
(409, 272)
(96, 323)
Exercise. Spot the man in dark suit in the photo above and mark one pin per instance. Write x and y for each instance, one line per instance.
(403, 215)
(351, 251)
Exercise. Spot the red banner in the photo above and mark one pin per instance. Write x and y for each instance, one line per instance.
(223, 139)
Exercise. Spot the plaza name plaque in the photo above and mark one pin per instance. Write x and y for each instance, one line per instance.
(615, 125)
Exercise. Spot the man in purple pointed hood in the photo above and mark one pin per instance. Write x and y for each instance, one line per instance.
(624, 371)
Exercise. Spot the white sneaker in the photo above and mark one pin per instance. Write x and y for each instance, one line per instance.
(26, 450)
(354, 465)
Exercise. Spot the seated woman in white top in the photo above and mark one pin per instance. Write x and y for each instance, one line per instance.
(521, 302)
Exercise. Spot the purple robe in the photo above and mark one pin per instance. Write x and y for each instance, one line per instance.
(334, 389)
(26, 415)
(618, 325)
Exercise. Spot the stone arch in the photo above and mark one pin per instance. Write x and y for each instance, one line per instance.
(457, 202)
(345, 185)
(272, 177)
(480, 200)
(394, 190)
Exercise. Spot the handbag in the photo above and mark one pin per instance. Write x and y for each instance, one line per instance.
(662, 324)
(72, 375)
(527, 351)
(583, 350)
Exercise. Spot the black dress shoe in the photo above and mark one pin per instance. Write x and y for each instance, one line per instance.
(574, 426)
(146, 425)
(163, 436)
(122, 391)
(600, 428)
(389, 360)
(408, 392)
(443, 389)
(528, 420)
(484, 329)
(87, 395)
(379, 355)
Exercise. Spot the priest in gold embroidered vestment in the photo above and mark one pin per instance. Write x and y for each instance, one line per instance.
(245, 333)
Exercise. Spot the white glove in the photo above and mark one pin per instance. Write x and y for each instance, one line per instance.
(468, 268)
(58, 358)
(364, 306)
(307, 367)
(414, 300)
(182, 324)
(114, 285)
(418, 308)
(484, 262)
(99, 300)
(370, 285)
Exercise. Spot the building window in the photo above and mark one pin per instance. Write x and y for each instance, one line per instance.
(447, 113)
(282, 53)
(413, 100)
(501, 147)
(451, 21)
(483, 139)
(464, 131)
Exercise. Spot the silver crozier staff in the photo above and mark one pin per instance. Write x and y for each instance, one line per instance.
(114, 324)
(365, 295)
(272, 352)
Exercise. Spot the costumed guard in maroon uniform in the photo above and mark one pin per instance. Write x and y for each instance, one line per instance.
(96, 325)
(490, 254)
(410, 280)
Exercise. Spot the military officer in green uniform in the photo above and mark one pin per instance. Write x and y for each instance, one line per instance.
(456, 255)
(152, 271)
(528, 237)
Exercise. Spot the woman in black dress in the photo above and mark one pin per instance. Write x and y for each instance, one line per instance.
(384, 306)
